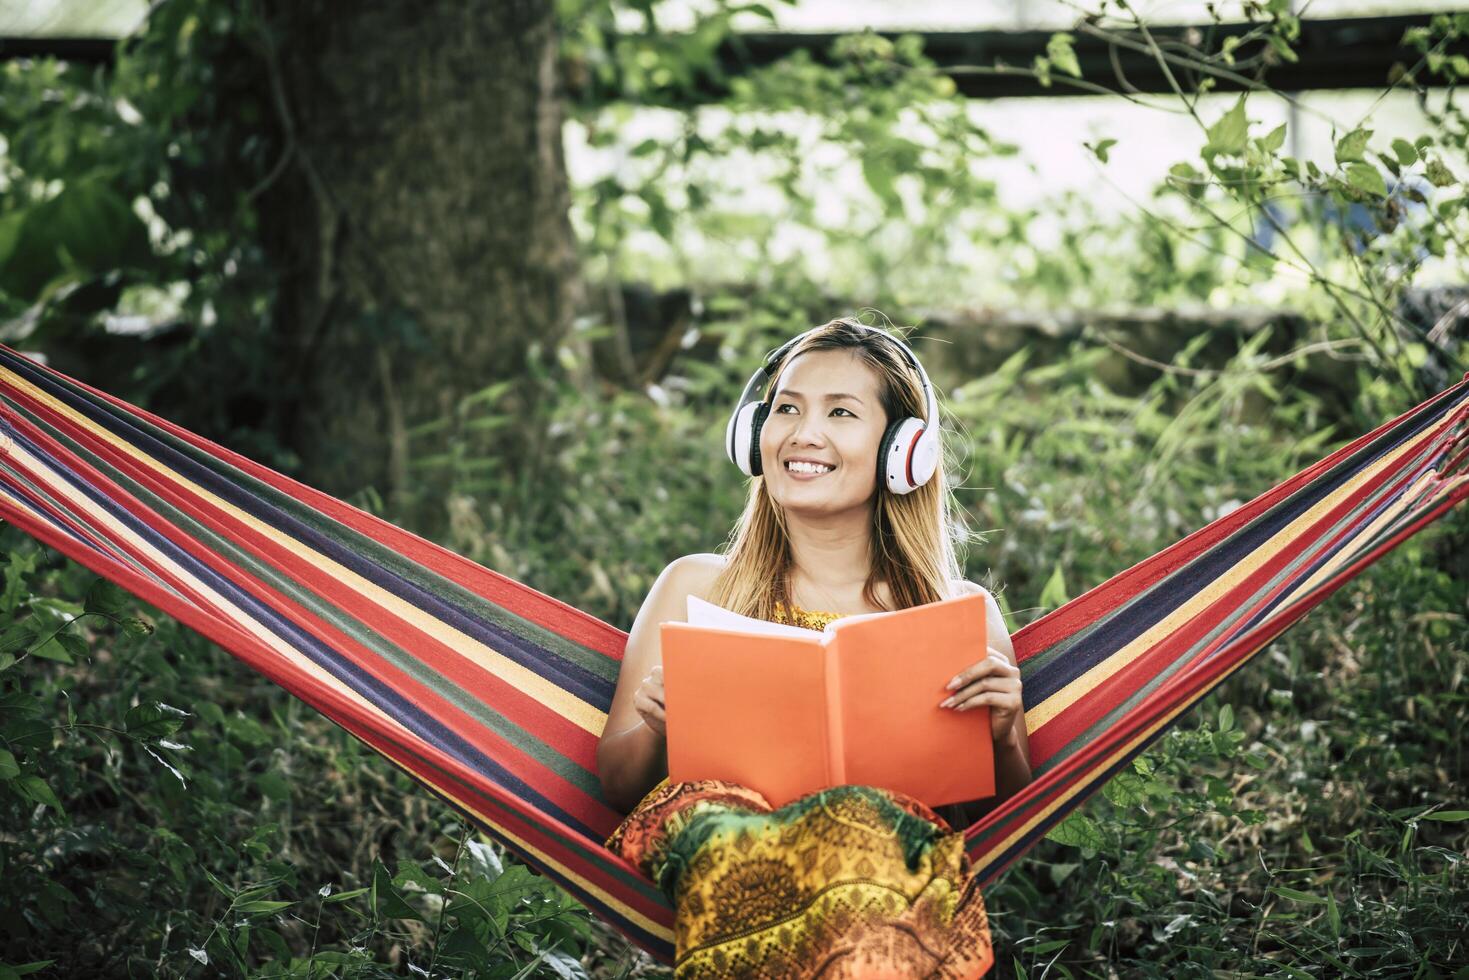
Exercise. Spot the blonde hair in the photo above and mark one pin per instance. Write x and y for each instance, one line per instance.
(916, 537)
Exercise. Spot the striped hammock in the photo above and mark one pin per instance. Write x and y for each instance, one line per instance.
(493, 695)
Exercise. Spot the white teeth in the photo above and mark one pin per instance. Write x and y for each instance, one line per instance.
(809, 468)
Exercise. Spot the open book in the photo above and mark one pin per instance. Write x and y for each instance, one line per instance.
(787, 711)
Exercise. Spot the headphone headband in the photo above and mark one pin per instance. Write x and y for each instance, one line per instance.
(775, 356)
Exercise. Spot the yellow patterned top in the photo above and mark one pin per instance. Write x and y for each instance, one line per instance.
(811, 619)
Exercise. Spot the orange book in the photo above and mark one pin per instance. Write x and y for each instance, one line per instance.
(787, 710)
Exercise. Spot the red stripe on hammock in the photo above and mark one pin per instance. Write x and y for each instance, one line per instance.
(1089, 606)
(570, 739)
(1111, 693)
(523, 711)
(540, 827)
(1008, 817)
(544, 610)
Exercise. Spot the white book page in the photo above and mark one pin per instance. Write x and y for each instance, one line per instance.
(707, 614)
(703, 613)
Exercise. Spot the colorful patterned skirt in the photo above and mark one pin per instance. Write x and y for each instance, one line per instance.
(849, 882)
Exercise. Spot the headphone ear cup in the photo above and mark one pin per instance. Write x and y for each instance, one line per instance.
(737, 436)
(925, 457)
(757, 422)
(901, 473)
(884, 448)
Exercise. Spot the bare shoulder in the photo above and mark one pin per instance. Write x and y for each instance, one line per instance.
(667, 602)
(695, 574)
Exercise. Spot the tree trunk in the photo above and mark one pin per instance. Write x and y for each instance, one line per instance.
(421, 226)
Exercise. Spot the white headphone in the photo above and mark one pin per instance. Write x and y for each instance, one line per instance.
(906, 458)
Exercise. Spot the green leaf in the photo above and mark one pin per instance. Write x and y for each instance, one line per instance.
(16, 638)
(75, 645)
(1125, 789)
(1061, 54)
(1228, 135)
(264, 905)
(105, 597)
(9, 768)
(134, 626)
(1440, 175)
(1060, 871)
(1282, 48)
(1406, 153)
(1274, 140)
(1416, 36)
(1078, 830)
(345, 896)
(880, 178)
(1186, 179)
(1367, 178)
(1101, 148)
(219, 886)
(1042, 68)
(52, 649)
(385, 898)
(1297, 896)
(1226, 718)
(1447, 816)
(1053, 594)
(1352, 146)
(84, 231)
(273, 785)
(35, 788)
(153, 719)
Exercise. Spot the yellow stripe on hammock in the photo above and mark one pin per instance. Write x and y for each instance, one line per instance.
(1080, 687)
(584, 715)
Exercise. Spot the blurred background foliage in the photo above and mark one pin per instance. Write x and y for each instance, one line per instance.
(167, 812)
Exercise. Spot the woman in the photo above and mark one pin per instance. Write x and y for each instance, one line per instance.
(854, 881)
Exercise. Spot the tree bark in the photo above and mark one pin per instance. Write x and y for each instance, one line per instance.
(422, 233)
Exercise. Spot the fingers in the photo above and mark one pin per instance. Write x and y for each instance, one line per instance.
(995, 699)
(648, 700)
(1007, 687)
(656, 725)
(651, 711)
(996, 663)
(653, 684)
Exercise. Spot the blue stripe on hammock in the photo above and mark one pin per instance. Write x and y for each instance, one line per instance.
(1156, 602)
(390, 701)
(567, 675)
(1101, 776)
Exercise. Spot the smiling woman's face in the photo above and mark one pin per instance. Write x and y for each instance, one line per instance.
(826, 409)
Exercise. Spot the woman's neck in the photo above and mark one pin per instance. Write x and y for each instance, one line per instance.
(831, 560)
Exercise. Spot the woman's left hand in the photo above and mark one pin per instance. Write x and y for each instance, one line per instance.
(993, 681)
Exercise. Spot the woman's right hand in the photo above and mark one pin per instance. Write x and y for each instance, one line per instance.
(649, 700)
